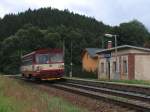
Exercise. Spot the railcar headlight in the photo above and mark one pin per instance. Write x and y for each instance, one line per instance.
(61, 66)
(38, 68)
(33, 68)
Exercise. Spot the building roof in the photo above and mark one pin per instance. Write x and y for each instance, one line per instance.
(123, 47)
(92, 51)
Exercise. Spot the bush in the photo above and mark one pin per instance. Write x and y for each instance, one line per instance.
(78, 72)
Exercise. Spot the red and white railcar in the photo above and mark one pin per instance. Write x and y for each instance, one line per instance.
(43, 64)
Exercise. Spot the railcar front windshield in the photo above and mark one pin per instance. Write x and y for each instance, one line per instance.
(56, 57)
(46, 58)
(42, 58)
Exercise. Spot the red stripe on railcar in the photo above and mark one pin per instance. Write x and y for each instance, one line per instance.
(49, 73)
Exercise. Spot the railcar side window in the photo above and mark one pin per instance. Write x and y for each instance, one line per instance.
(42, 58)
(27, 62)
(56, 57)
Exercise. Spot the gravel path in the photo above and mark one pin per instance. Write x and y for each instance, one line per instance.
(83, 102)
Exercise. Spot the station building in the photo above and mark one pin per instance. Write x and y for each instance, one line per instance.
(90, 59)
(128, 63)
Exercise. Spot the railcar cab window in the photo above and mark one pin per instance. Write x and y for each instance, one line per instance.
(42, 58)
(58, 57)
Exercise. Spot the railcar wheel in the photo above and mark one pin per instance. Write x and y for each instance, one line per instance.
(29, 76)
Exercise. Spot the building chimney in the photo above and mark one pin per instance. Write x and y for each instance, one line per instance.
(109, 44)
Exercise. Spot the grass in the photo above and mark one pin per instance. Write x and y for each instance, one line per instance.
(61, 105)
(5, 104)
(139, 82)
(135, 82)
(16, 96)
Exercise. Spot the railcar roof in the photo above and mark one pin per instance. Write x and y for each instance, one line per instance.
(55, 50)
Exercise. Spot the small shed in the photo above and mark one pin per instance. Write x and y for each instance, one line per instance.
(90, 59)
(128, 63)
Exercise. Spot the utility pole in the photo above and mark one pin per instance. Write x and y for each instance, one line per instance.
(116, 53)
(102, 39)
(64, 49)
(64, 55)
(71, 61)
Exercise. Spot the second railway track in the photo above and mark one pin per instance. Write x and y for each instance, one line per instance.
(133, 100)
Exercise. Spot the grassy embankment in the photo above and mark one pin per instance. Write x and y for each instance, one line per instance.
(139, 82)
(135, 82)
(16, 96)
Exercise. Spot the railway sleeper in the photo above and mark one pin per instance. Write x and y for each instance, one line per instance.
(129, 103)
(125, 94)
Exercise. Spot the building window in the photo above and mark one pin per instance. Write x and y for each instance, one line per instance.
(114, 67)
(102, 67)
(125, 66)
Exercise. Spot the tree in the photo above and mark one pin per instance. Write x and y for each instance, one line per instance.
(132, 33)
(25, 32)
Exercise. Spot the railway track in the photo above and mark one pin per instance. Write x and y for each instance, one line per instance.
(112, 85)
(129, 99)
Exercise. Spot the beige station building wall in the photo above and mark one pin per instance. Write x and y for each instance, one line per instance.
(142, 67)
(140, 63)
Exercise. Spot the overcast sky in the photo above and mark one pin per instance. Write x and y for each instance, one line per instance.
(112, 12)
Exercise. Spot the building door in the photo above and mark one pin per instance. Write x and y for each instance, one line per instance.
(108, 69)
(116, 71)
(116, 76)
